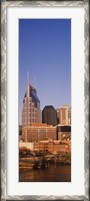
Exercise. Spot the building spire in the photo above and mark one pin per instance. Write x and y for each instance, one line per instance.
(28, 76)
(27, 85)
(34, 83)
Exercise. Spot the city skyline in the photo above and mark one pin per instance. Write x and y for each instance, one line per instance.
(45, 52)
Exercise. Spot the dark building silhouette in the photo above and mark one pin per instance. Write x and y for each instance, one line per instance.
(64, 128)
(20, 129)
(49, 115)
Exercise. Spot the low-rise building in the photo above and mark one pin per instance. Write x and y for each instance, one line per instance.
(63, 132)
(27, 145)
(51, 146)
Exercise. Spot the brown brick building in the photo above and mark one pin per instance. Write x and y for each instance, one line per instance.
(38, 132)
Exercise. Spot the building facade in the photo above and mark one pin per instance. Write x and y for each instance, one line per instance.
(69, 115)
(38, 132)
(63, 132)
(52, 146)
(31, 107)
(49, 115)
(63, 115)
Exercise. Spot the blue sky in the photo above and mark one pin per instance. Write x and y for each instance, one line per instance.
(45, 52)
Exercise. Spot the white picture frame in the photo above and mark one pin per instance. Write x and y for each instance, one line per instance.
(7, 73)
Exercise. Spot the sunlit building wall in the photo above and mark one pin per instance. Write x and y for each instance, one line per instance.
(31, 107)
(39, 132)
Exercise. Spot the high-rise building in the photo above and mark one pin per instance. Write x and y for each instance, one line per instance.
(49, 115)
(63, 115)
(69, 115)
(58, 115)
(31, 107)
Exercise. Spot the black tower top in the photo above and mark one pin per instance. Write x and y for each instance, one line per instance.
(49, 115)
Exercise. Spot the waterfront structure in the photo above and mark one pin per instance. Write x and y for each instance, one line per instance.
(53, 146)
(50, 146)
(31, 107)
(27, 145)
(49, 115)
(38, 132)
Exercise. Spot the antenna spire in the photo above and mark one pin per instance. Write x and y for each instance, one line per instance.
(35, 83)
(28, 76)
(27, 85)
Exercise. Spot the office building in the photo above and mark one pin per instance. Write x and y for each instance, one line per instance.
(55, 146)
(38, 132)
(63, 132)
(58, 115)
(49, 115)
(63, 115)
(31, 107)
(69, 115)
(52, 146)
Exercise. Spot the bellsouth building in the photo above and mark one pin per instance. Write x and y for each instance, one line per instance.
(31, 107)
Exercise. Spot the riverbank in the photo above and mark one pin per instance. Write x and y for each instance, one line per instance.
(44, 167)
(44, 160)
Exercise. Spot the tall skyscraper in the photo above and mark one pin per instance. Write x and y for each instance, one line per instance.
(58, 115)
(49, 115)
(31, 107)
(64, 120)
(63, 115)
